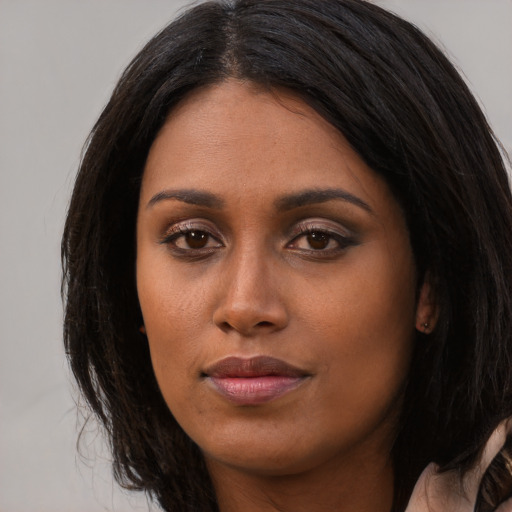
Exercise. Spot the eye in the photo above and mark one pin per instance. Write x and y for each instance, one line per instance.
(320, 240)
(316, 240)
(195, 239)
(189, 240)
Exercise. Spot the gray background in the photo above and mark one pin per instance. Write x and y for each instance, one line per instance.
(59, 60)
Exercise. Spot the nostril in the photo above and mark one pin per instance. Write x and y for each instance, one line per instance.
(225, 326)
(251, 318)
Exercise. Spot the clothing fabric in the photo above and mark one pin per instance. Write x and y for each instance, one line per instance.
(444, 492)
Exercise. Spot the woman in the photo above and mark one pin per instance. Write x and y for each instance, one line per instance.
(287, 268)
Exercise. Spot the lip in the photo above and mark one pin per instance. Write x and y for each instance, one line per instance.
(255, 380)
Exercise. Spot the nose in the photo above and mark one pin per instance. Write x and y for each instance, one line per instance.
(250, 299)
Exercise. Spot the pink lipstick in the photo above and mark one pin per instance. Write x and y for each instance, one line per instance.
(254, 381)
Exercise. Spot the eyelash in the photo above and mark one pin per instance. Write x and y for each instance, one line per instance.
(180, 231)
(343, 241)
(302, 230)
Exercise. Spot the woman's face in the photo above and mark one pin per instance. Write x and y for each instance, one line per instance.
(276, 281)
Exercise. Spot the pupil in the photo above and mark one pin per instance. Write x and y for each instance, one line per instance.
(318, 240)
(196, 239)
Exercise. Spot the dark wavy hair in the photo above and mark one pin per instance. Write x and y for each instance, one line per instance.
(406, 111)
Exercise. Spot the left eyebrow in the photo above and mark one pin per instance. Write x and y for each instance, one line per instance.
(190, 196)
(314, 196)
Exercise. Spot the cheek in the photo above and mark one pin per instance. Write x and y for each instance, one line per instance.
(364, 331)
(170, 301)
(373, 299)
(174, 315)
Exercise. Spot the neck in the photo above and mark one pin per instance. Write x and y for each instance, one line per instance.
(349, 487)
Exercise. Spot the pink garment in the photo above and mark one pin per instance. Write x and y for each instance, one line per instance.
(444, 492)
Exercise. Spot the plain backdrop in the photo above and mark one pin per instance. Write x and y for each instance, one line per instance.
(59, 60)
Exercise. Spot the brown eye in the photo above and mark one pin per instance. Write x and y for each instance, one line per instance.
(318, 240)
(185, 240)
(196, 239)
(323, 242)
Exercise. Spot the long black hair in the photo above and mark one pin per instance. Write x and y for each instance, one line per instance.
(406, 111)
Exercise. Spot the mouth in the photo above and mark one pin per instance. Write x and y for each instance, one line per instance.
(253, 381)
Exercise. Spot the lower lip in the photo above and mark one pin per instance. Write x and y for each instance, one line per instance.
(255, 390)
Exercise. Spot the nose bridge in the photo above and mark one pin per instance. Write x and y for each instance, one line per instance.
(251, 298)
(249, 271)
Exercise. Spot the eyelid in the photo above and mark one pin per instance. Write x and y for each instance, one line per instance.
(330, 227)
(338, 234)
(184, 226)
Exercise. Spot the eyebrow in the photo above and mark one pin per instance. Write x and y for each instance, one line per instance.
(284, 203)
(315, 196)
(190, 196)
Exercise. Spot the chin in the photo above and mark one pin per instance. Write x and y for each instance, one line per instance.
(265, 461)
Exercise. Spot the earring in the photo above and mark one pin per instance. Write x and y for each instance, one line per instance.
(426, 327)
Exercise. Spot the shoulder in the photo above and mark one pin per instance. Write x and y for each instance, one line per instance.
(447, 492)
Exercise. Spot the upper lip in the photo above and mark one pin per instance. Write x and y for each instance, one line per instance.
(260, 366)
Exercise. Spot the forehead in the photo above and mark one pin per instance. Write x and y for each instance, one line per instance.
(236, 137)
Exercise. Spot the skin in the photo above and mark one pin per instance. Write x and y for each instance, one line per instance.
(340, 304)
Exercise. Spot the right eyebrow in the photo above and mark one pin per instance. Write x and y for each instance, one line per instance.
(313, 196)
(189, 196)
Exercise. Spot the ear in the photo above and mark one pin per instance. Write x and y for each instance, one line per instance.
(427, 311)
(142, 329)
